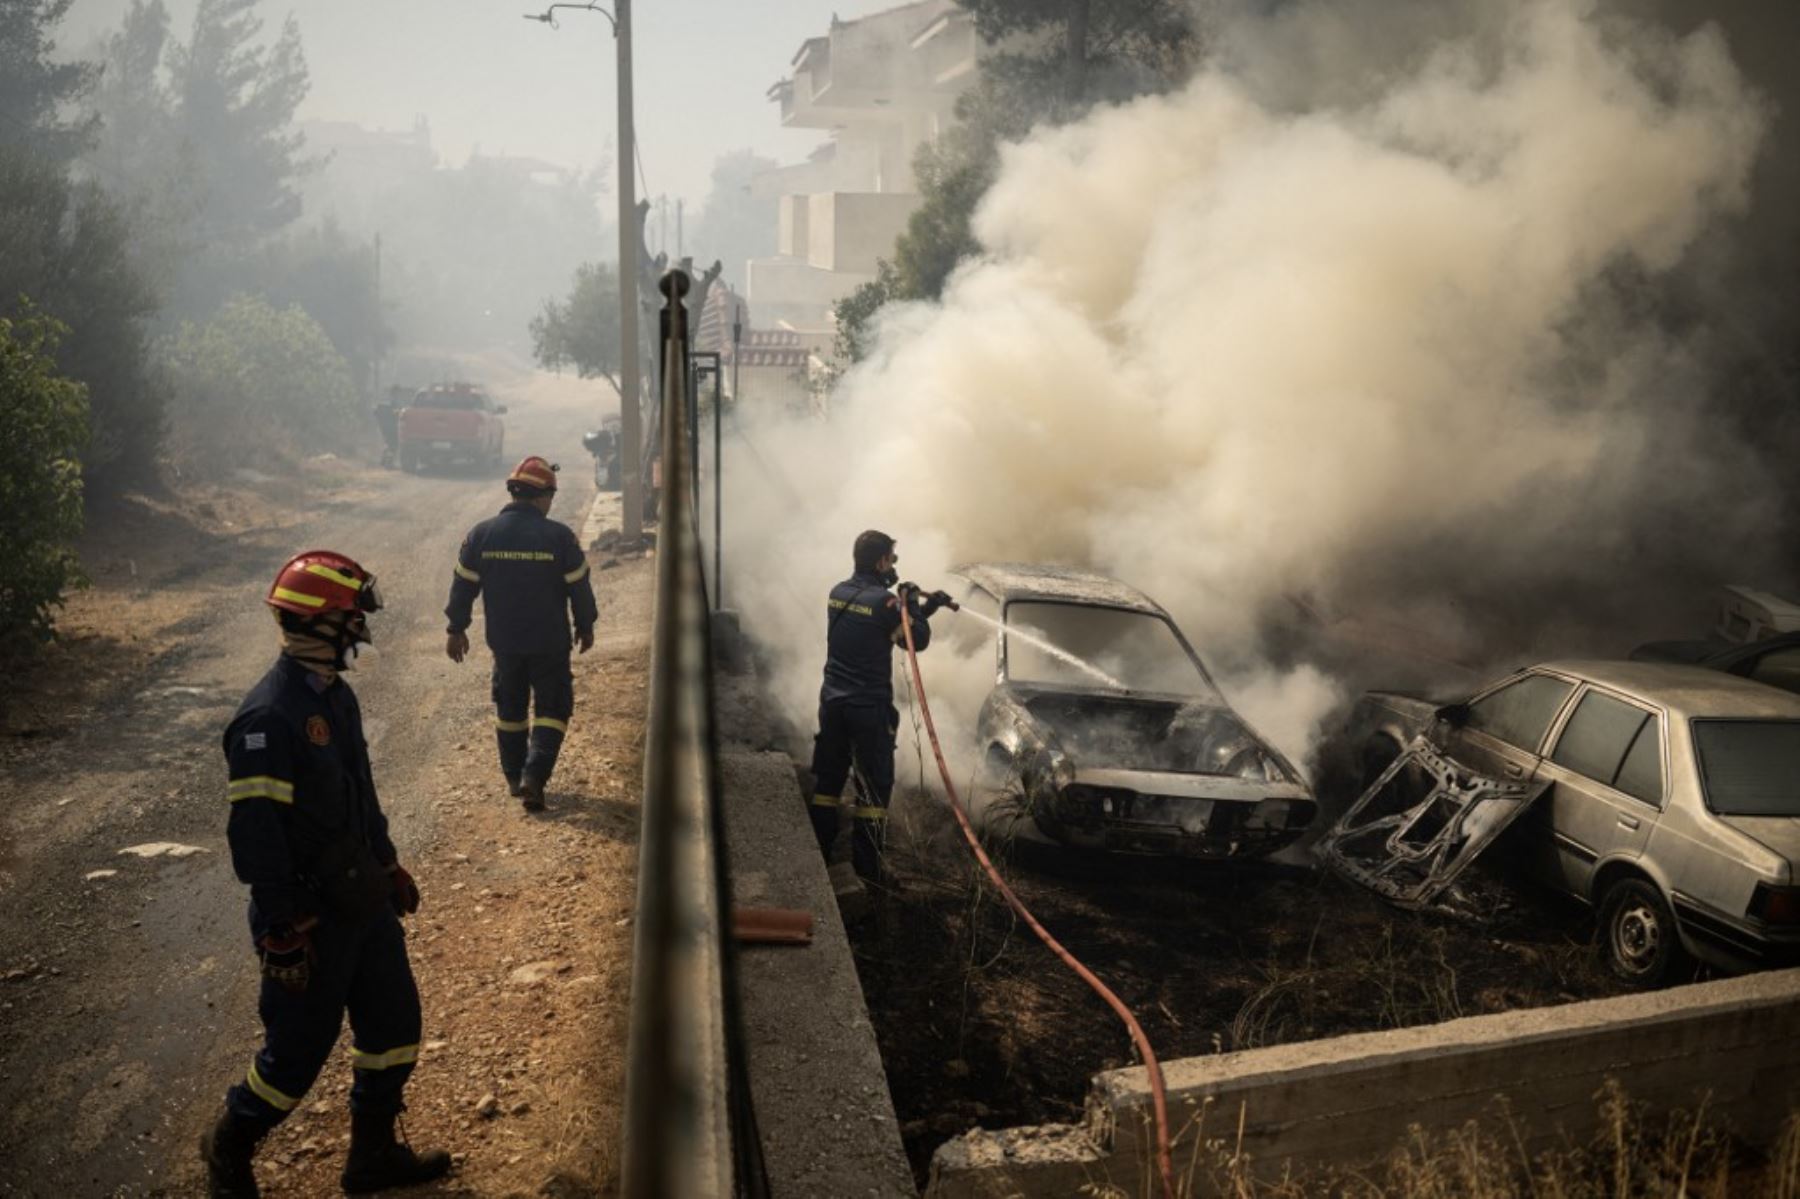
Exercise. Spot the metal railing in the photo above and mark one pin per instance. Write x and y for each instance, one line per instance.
(689, 1126)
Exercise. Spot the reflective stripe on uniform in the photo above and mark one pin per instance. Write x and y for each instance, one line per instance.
(871, 813)
(510, 726)
(336, 576)
(576, 575)
(825, 801)
(261, 786)
(269, 1094)
(300, 597)
(403, 1056)
(544, 722)
(463, 572)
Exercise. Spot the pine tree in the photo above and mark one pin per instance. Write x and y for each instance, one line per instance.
(235, 100)
(35, 90)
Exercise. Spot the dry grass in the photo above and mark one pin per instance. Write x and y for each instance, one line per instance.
(1632, 1153)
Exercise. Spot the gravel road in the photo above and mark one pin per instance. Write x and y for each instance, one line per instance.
(126, 985)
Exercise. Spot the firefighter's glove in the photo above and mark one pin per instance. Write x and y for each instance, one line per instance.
(406, 892)
(936, 600)
(286, 958)
(456, 646)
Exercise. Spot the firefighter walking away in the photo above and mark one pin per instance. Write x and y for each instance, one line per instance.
(327, 891)
(532, 577)
(857, 717)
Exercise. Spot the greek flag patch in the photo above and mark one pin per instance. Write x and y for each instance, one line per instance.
(256, 740)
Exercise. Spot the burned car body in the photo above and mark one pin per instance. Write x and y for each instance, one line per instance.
(1103, 730)
(1670, 802)
(1774, 661)
(1420, 824)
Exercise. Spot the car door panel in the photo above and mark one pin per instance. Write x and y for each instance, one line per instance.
(1593, 820)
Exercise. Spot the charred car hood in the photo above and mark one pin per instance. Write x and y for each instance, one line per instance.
(1153, 736)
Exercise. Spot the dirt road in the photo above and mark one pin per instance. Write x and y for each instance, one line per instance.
(127, 989)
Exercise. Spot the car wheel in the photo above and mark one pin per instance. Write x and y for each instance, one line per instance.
(1638, 939)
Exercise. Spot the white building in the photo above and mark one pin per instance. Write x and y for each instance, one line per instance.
(879, 86)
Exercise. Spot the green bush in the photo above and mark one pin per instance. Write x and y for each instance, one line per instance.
(69, 247)
(257, 384)
(43, 425)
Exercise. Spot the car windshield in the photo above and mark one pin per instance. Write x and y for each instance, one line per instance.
(456, 401)
(1080, 645)
(1750, 767)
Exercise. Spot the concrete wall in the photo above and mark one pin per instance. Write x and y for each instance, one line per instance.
(1350, 1100)
(794, 291)
(848, 231)
(794, 237)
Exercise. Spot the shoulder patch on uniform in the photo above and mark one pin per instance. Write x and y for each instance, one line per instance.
(318, 731)
(256, 740)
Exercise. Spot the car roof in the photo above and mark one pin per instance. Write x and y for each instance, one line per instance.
(1684, 690)
(1066, 584)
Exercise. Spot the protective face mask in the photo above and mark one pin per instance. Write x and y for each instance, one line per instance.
(889, 577)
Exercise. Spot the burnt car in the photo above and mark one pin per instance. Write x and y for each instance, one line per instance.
(1666, 796)
(1773, 660)
(1104, 731)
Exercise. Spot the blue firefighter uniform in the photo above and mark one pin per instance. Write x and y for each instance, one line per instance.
(857, 718)
(304, 814)
(532, 576)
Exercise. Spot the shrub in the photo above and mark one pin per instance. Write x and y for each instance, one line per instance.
(257, 384)
(43, 425)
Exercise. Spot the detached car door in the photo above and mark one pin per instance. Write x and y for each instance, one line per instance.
(1606, 774)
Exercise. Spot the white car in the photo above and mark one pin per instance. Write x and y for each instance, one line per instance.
(1667, 796)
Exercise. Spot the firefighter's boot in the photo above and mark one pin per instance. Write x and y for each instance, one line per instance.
(377, 1161)
(227, 1149)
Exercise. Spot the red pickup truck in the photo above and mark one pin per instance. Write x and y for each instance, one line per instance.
(451, 422)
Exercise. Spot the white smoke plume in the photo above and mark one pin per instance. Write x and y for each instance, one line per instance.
(1241, 346)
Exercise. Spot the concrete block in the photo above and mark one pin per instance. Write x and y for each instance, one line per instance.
(1348, 1100)
(816, 1078)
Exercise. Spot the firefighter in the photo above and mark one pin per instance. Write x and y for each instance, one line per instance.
(387, 418)
(326, 890)
(857, 717)
(532, 575)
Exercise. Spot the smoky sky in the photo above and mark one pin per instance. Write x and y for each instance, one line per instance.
(1421, 335)
(486, 79)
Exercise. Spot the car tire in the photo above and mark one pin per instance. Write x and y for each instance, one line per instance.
(1639, 942)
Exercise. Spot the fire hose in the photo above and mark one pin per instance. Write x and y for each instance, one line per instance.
(1158, 1097)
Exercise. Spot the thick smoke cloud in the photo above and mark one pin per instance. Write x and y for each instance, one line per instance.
(1388, 348)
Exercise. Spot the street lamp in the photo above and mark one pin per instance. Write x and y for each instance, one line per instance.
(631, 417)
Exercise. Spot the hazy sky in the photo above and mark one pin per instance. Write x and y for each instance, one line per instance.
(487, 79)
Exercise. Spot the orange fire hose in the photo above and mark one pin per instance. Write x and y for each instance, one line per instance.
(1158, 1099)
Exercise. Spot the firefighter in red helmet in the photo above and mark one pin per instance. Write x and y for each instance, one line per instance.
(327, 890)
(532, 576)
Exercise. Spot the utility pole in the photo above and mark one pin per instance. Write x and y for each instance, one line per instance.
(375, 358)
(631, 416)
(631, 413)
